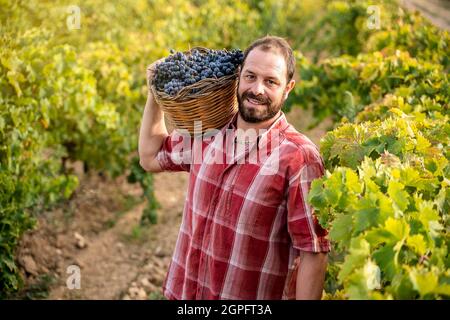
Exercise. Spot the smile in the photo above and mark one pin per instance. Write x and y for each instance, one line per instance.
(255, 102)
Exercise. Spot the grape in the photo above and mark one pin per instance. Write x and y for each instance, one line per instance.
(179, 70)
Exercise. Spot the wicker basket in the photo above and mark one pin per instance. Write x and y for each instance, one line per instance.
(214, 103)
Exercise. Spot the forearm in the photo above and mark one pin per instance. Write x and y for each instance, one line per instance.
(311, 276)
(152, 132)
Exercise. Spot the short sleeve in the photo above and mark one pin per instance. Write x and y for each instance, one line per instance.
(304, 229)
(176, 152)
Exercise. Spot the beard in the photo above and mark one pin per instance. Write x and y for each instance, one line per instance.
(265, 111)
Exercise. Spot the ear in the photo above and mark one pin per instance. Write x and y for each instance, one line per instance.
(289, 87)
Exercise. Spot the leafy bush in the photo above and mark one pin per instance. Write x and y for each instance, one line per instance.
(387, 213)
(386, 195)
(342, 87)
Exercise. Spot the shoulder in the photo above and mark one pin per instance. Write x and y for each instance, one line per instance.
(300, 148)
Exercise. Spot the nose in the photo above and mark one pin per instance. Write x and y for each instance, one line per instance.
(258, 88)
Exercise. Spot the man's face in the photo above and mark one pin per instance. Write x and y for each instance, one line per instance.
(262, 85)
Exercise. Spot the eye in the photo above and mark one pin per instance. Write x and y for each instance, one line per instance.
(271, 82)
(249, 77)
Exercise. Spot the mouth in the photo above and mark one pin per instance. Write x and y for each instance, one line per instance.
(255, 102)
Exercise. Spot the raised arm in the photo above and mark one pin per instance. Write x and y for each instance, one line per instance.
(152, 132)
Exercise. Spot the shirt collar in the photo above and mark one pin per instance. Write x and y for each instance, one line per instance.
(279, 124)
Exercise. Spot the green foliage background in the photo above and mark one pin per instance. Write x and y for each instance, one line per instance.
(78, 95)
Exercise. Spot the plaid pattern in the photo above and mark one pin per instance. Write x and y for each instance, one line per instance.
(242, 229)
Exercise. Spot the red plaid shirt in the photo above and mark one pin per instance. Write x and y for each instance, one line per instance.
(242, 228)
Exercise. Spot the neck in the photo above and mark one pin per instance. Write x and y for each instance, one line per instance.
(243, 125)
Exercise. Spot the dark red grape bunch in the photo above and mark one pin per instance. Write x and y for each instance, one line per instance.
(180, 70)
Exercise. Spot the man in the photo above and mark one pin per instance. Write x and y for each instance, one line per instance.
(246, 233)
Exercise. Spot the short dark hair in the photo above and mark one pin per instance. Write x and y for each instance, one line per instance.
(275, 43)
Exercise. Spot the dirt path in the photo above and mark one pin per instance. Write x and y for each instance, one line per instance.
(98, 230)
(436, 11)
(105, 263)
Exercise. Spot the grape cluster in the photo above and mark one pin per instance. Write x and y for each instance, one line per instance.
(180, 70)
